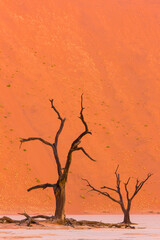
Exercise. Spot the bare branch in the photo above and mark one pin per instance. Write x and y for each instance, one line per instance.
(49, 144)
(52, 106)
(59, 132)
(24, 214)
(127, 181)
(29, 220)
(112, 189)
(43, 186)
(118, 181)
(100, 192)
(125, 185)
(81, 114)
(35, 138)
(43, 216)
(139, 185)
(82, 149)
(55, 151)
(117, 169)
(8, 220)
(77, 140)
(61, 125)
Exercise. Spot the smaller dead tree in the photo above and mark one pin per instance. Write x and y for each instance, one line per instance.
(125, 207)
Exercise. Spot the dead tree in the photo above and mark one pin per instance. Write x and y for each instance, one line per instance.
(59, 186)
(125, 209)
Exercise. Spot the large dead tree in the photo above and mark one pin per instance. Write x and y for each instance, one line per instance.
(59, 186)
(129, 197)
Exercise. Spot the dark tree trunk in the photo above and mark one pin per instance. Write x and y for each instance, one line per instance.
(126, 217)
(59, 192)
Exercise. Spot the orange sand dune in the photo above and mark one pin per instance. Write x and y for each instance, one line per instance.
(110, 51)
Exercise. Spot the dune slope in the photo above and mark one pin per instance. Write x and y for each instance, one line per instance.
(110, 51)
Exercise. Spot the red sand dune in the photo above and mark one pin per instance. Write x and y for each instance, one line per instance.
(110, 51)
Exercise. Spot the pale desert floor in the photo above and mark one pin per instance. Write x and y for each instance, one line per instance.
(147, 228)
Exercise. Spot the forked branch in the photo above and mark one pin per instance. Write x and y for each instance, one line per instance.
(52, 106)
(139, 185)
(78, 139)
(76, 142)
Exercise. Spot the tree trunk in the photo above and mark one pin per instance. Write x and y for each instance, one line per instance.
(59, 192)
(126, 217)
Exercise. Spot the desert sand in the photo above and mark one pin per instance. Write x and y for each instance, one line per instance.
(109, 50)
